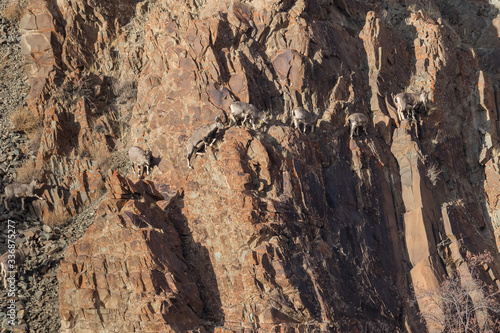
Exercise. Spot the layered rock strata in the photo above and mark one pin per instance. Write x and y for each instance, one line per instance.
(272, 230)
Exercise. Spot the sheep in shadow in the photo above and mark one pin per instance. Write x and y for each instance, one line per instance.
(301, 116)
(357, 121)
(203, 136)
(412, 101)
(11, 262)
(19, 190)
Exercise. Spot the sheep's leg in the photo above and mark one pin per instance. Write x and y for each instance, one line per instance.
(5, 204)
(147, 169)
(400, 113)
(189, 162)
(352, 130)
(212, 141)
(414, 114)
(245, 118)
(364, 129)
(141, 171)
(198, 148)
(22, 204)
(133, 168)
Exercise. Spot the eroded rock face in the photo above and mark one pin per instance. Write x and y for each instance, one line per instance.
(272, 230)
(128, 272)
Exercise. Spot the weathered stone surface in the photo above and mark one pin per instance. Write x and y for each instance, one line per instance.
(486, 93)
(128, 273)
(272, 230)
(37, 30)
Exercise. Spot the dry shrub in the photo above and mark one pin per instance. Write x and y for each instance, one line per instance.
(23, 120)
(27, 172)
(462, 302)
(120, 161)
(57, 218)
(125, 91)
(101, 157)
(13, 11)
(433, 173)
(32, 145)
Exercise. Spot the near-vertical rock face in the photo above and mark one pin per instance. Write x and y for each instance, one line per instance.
(273, 229)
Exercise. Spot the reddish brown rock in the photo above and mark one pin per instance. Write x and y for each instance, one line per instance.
(272, 230)
(128, 273)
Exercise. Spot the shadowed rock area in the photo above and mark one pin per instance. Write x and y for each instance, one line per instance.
(273, 230)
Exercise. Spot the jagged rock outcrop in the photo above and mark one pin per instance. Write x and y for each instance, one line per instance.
(272, 230)
(131, 255)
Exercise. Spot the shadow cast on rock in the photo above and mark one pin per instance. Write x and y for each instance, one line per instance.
(199, 264)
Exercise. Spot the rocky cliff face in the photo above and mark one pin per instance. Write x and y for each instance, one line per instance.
(273, 230)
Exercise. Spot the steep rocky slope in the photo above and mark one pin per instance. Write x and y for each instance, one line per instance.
(273, 230)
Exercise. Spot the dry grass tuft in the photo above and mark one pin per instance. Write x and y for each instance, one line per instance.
(27, 172)
(101, 156)
(32, 145)
(434, 173)
(13, 11)
(23, 120)
(57, 218)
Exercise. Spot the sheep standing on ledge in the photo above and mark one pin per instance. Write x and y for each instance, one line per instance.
(141, 158)
(11, 262)
(203, 136)
(403, 101)
(19, 190)
(304, 117)
(245, 111)
(357, 120)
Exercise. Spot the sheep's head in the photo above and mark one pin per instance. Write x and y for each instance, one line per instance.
(218, 122)
(347, 119)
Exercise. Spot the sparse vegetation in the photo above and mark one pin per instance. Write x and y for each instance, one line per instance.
(101, 156)
(120, 161)
(124, 90)
(13, 11)
(454, 203)
(433, 173)
(27, 172)
(463, 303)
(57, 218)
(23, 120)
(31, 146)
